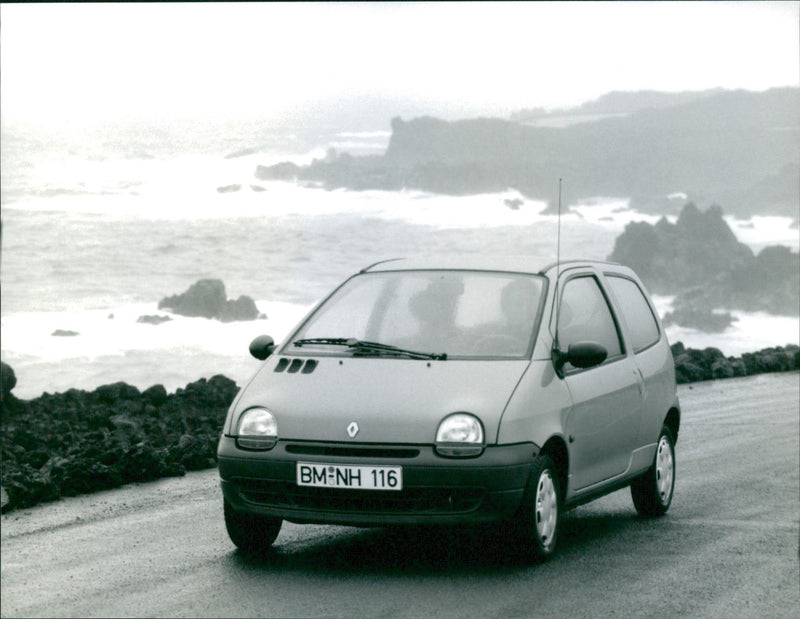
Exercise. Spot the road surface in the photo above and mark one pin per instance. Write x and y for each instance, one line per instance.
(727, 548)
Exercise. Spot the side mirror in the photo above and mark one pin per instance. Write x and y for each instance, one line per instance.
(262, 347)
(586, 354)
(581, 355)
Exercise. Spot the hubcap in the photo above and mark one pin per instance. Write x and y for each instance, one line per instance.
(546, 509)
(665, 470)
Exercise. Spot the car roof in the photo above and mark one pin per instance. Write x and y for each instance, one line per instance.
(475, 262)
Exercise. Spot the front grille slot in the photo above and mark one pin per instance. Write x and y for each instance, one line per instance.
(408, 501)
(352, 452)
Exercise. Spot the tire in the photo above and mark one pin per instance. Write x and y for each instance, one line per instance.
(652, 492)
(250, 532)
(538, 517)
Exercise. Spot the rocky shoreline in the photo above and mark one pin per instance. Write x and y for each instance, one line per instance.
(78, 442)
(706, 143)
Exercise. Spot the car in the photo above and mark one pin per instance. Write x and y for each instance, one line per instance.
(453, 391)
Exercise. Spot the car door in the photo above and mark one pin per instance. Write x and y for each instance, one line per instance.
(650, 352)
(603, 424)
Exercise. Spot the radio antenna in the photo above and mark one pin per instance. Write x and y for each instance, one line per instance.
(558, 267)
(558, 234)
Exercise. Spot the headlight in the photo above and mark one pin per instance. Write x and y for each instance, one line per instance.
(460, 435)
(257, 429)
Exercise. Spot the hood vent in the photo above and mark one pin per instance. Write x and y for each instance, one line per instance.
(295, 366)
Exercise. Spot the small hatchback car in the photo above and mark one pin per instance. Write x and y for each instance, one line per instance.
(456, 391)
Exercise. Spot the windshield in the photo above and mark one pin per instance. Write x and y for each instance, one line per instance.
(453, 313)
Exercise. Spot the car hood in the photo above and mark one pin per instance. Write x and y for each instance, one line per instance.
(392, 400)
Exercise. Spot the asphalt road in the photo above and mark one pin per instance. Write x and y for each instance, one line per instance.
(727, 548)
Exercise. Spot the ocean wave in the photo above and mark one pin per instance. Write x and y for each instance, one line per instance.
(749, 332)
(383, 135)
(110, 345)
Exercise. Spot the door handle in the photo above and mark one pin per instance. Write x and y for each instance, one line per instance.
(639, 380)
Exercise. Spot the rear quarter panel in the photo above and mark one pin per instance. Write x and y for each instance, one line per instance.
(655, 363)
(660, 392)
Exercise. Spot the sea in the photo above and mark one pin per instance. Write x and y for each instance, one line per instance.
(100, 223)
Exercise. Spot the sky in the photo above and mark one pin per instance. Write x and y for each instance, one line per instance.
(91, 62)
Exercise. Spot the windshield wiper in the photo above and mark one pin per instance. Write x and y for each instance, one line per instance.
(366, 348)
(336, 341)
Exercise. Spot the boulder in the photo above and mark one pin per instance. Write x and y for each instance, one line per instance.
(206, 299)
(64, 333)
(688, 313)
(699, 260)
(155, 395)
(8, 380)
(243, 308)
(8, 401)
(154, 319)
(110, 394)
(229, 188)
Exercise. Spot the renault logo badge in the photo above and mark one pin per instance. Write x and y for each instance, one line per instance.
(352, 429)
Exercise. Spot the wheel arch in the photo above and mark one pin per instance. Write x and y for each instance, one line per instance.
(556, 448)
(673, 422)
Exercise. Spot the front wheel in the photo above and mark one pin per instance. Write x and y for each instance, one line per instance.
(251, 532)
(652, 492)
(538, 516)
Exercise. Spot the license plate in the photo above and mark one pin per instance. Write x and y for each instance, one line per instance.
(351, 477)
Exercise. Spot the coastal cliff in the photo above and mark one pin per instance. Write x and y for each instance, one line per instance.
(735, 148)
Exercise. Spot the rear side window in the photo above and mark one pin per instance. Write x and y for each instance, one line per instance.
(584, 315)
(638, 314)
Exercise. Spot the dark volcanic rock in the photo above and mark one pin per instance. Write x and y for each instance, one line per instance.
(9, 404)
(8, 380)
(64, 333)
(153, 319)
(692, 365)
(229, 189)
(691, 252)
(155, 395)
(77, 442)
(243, 308)
(699, 260)
(687, 313)
(116, 391)
(206, 299)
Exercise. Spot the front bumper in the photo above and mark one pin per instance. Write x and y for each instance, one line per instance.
(436, 490)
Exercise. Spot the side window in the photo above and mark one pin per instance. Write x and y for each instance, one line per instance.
(584, 315)
(638, 314)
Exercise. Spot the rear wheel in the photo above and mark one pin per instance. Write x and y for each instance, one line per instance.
(652, 492)
(538, 516)
(251, 532)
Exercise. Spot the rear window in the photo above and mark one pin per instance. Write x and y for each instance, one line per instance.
(636, 310)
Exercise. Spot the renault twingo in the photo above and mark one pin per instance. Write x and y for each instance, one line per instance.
(450, 391)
